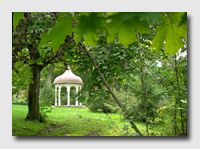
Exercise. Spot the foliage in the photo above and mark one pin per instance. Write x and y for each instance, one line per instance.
(58, 34)
(22, 79)
(16, 17)
(45, 107)
(46, 99)
(26, 52)
(167, 112)
(171, 33)
(19, 102)
(125, 23)
(40, 39)
(175, 82)
(105, 106)
(47, 93)
(154, 95)
(87, 26)
(64, 96)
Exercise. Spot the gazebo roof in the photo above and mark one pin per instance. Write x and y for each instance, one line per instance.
(67, 77)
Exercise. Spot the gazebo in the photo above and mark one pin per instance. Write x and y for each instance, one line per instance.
(67, 79)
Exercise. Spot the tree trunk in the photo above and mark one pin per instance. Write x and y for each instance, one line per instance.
(143, 90)
(86, 76)
(33, 94)
(178, 99)
(49, 75)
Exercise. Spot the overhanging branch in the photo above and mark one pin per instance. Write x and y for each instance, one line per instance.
(81, 45)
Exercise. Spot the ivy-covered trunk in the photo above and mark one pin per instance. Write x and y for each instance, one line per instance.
(33, 95)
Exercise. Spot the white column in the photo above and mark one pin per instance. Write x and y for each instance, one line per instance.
(68, 95)
(55, 95)
(76, 97)
(59, 90)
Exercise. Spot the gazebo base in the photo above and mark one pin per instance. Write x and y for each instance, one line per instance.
(71, 106)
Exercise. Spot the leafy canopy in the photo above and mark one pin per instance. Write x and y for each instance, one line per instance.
(16, 17)
(87, 26)
(170, 28)
(170, 32)
(57, 34)
(126, 28)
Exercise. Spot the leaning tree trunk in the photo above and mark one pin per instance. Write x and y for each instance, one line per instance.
(33, 94)
(111, 92)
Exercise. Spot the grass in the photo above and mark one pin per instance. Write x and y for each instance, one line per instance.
(75, 122)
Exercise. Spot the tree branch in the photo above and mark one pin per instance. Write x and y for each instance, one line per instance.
(134, 63)
(27, 33)
(108, 60)
(142, 81)
(110, 90)
(168, 60)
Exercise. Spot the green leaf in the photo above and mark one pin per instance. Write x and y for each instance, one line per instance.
(62, 14)
(179, 108)
(111, 13)
(85, 13)
(183, 19)
(183, 101)
(87, 27)
(150, 17)
(58, 34)
(173, 39)
(126, 27)
(159, 38)
(171, 33)
(16, 17)
(72, 13)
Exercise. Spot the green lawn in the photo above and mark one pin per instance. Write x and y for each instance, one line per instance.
(75, 122)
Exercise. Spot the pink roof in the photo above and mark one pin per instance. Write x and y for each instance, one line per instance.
(67, 76)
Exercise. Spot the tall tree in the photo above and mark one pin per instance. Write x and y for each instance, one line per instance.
(26, 38)
(53, 43)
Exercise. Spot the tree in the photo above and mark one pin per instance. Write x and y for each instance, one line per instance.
(86, 26)
(174, 75)
(26, 38)
(49, 75)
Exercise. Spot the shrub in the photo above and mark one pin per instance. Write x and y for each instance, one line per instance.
(106, 106)
(47, 92)
(46, 100)
(113, 109)
(45, 107)
(20, 102)
(95, 106)
(24, 94)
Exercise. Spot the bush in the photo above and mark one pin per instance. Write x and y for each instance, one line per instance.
(105, 106)
(45, 107)
(113, 109)
(95, 106)
(47, 92)
(47, 96)
(136, 110)
(20, 102)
